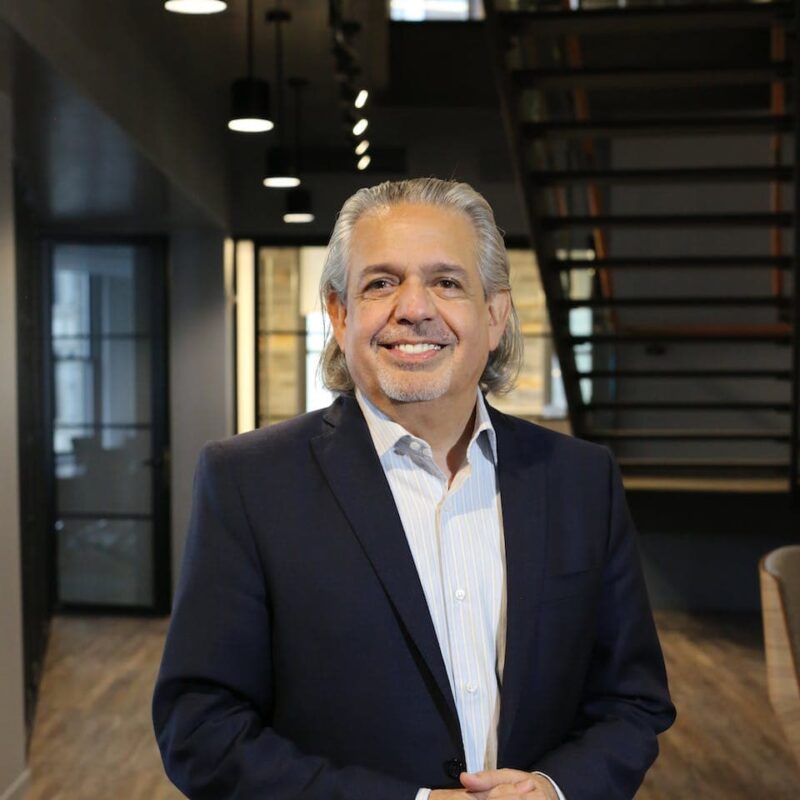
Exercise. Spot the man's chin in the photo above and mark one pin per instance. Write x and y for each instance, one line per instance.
(412, 391)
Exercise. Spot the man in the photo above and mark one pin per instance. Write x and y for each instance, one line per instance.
(410, 595)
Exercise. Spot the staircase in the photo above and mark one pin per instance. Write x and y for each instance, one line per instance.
(654, 147)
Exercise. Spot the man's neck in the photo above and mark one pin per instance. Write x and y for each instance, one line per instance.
(445, 424)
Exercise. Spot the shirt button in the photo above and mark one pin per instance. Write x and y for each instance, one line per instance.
(460, 594)
(415, 446)
(471, 688)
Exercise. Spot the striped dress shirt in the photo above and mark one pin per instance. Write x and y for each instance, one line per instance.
(456, 540)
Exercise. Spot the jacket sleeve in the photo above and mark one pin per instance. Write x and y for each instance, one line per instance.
(626, 701)
(213, 696)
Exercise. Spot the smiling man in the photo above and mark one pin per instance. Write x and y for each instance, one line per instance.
(410, 595)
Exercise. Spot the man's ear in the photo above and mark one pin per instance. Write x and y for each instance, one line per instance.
(499, 307)
(337, 312)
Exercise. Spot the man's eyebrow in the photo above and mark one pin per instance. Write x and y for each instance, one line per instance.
(435, 268)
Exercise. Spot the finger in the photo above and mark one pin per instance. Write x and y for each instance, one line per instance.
(486, 779)
(516, 790)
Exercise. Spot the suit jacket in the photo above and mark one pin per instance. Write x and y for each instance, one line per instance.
(301, 660)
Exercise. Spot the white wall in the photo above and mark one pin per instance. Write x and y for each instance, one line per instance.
(13, 773)
(200, 355)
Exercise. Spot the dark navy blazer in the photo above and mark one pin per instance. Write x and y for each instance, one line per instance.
(301, 660)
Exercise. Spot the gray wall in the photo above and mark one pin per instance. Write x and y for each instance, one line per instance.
(200, 359)
(13, 773)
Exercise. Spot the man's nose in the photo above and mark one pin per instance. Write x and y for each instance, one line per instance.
(414, 302)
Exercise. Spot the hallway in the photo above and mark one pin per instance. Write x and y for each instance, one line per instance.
(93, 739)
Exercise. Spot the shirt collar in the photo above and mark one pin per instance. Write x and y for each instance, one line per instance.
(386, 433)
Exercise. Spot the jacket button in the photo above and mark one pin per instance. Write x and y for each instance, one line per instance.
(454, 767)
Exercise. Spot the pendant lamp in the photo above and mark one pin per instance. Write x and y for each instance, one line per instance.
(250, 95)
(298, 201)
(298, 206)
(195, 6)
(280, 169)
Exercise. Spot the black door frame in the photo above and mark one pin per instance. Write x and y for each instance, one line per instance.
(162, 549)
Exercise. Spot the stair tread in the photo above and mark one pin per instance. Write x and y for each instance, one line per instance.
(673, 175)
(676, 262)
(687, 433)
(659, 126)
(638, 76)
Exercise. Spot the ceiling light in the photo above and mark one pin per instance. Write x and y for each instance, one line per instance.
(195, 6)
(362, 147)
(250, 96)
(298, 207)
(363, 162)
(360, 127)
(281, 173)
(361, 98)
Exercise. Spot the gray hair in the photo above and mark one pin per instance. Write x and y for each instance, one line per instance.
(503, 364)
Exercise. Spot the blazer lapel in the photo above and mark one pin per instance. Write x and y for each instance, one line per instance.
(523, 493)
(353, 470)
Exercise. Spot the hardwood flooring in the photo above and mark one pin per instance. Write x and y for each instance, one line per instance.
(92, 739)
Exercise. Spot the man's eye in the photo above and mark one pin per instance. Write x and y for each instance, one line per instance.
(378, 283)
(448, 283)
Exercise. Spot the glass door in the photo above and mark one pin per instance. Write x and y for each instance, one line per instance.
(108, 378)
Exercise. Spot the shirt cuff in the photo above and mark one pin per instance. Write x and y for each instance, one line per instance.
(552, 783)
(424, 794)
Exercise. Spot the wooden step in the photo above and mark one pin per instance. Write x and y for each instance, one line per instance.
(703, 175)
(675, 302)
(676, 262)
(686, 434)
(749, 337)
(645, 19)
(761, 220)
(649, 77)
(658, 127)
(691, 374)
(704, 463)
(674, 405)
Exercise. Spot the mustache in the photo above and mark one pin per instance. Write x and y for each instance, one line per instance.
(423, 331)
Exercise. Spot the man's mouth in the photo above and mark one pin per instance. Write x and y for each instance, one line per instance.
(418, 347)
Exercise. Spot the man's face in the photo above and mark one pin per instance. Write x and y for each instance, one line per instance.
(416, 325)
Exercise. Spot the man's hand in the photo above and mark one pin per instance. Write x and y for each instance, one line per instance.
(499, 784)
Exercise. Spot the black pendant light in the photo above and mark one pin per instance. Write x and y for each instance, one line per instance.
(280, 169)
(298, 201)
(195, 6)
(298, 206)
(250, 95)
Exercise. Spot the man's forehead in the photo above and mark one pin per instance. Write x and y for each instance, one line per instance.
(408, 233)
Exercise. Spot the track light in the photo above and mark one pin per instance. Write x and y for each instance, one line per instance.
(360, 127)
(195, 6)
(298, 207)
(361, 99)
(363, 162)
(362, 147)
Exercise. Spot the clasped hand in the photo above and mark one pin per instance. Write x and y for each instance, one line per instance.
(499, 784)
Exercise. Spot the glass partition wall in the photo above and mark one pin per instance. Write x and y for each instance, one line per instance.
(108, 393)
(290, 331)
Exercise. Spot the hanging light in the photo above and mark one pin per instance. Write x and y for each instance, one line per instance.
(298, 206)
(362, 147)
(195, 6)
(360, 126)
(363, 162)
(280, 171)
(361, 99)
(250, 95)
(280, 166)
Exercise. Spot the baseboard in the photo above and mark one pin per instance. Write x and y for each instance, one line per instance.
(16, 791)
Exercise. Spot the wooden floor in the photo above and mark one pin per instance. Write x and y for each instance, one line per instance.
(92, 739)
